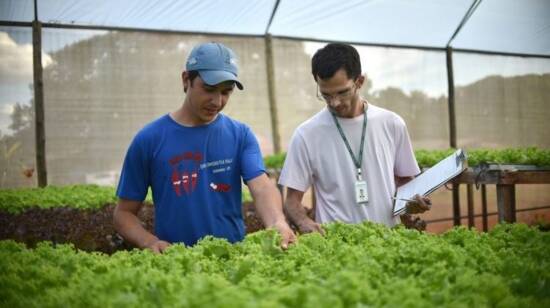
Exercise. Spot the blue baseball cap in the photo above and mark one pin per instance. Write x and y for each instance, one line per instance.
(215, 63)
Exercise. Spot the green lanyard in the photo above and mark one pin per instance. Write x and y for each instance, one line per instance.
(359, 159)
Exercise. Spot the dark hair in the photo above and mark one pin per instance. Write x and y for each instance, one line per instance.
(333, 57)
(192, 76)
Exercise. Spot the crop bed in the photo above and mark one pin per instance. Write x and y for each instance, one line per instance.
(58, 248)
(352, 266)
(88, 229)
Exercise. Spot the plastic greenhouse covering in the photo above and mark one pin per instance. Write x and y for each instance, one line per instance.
(505, 26)
(110, 67)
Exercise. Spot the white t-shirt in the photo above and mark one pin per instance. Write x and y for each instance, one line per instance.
(317, 155)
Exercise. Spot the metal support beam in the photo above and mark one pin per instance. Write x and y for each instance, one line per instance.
(271, 92)
(451, 98)
(452, 129)
(40, 131)
(451, 102)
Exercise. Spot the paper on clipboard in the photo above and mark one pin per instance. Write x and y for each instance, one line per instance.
(430, 180)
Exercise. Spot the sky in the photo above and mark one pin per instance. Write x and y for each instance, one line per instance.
(16, 74)
(16, 67)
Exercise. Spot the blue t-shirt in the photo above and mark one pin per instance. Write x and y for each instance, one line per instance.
(195, 176)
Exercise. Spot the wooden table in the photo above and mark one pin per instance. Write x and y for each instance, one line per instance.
(505, 177)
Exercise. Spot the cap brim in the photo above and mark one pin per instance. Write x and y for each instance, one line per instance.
(212, 78)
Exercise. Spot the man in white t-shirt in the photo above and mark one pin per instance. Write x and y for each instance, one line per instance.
(355, 154)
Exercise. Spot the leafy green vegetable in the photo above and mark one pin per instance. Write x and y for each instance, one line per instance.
(78, 196)
(93, 196)
(353, 265)
(246, 195)
(275, 161)
(75, 196)
(428, 158)
(525, 156)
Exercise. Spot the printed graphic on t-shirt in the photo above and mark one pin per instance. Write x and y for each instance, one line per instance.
(185, 172)
(219, 166)
(220, 187)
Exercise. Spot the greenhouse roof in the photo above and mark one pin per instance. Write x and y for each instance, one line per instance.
(499, 26)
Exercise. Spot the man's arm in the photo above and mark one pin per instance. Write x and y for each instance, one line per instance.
(128, 225)
(269, 207)
(297, 214)
(402, 180)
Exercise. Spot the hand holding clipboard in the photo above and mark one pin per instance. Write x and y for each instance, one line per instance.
(430, 180)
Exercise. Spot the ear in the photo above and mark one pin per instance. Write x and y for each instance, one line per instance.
(185, 80)
(360, 80)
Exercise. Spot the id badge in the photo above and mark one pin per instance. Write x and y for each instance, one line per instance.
(361, 195)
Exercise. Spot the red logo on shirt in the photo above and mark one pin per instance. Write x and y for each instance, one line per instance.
(185, 173)
(220, 187)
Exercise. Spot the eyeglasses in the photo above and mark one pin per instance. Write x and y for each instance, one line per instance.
(340, 96)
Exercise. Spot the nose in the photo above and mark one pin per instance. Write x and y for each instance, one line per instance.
(334, 102)
(217, 98)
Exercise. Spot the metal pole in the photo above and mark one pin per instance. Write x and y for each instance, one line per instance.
(451, 98)
(452, 129)
(451, 102)
(271, 92)
(40, 131)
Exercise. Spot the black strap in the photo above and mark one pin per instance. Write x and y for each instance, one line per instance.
(357, 161)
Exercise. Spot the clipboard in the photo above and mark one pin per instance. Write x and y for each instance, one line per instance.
(430, 180)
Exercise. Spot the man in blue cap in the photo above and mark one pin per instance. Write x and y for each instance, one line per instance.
(194, 159)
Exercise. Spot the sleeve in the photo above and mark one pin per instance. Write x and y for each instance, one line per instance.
(252, 162)
(135, 176)
(405, 161)
(297, 172)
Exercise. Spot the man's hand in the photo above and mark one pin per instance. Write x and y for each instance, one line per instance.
(267, 200)
(419, 205)
(413, 222)
(297, 214)
(128, 225)
(308, 226)
(287, 235)
(157, 246)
